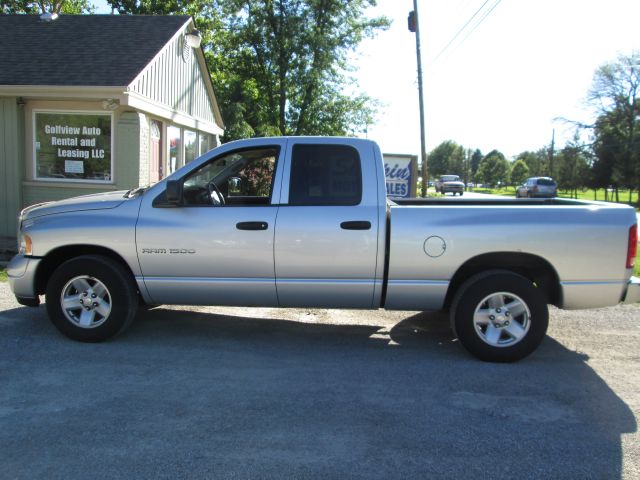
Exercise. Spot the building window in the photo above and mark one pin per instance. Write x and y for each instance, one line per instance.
(207, 142)
(190, 146)
(72, 146)
(185, 146)
(174, 160)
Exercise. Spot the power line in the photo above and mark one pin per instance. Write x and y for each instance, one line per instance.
(459, 32)
(478, 23)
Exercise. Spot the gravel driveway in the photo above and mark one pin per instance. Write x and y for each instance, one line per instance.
(263, 393)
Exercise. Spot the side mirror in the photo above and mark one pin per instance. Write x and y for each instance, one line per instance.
(174, 192)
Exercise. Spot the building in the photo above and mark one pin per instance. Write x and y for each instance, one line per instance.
(92, 103)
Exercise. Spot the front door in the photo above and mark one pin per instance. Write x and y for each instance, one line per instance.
(217, 247)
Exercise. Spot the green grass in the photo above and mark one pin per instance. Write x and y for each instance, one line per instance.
(3, 275)
(587, 194)
(590, 194)
(505, 192)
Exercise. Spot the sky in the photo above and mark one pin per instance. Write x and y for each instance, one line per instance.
(502, 83)
(500, 86)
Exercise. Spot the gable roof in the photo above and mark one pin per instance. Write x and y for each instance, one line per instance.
(82, 50)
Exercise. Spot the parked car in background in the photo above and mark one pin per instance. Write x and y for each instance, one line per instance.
(450, 183)
(541, 187)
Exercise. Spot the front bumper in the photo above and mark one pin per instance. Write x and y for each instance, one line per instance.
(632, 294)
(22, 275)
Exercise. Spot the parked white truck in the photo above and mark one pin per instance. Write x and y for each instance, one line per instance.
(449, 184)
(305, 222)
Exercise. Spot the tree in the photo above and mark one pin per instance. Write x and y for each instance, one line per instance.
(280, 67)
(572, 167)
(494, 169)
(537, 162)
(519, 172)
(614, 95)
(44, 6)
(476, 158)
(608, 152)
(447, 158)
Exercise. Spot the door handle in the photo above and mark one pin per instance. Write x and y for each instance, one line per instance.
(356, 225)
(252, 225)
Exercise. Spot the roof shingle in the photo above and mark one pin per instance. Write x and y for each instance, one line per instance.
(88, 50)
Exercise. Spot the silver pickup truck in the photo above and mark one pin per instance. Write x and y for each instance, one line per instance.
(305, 222)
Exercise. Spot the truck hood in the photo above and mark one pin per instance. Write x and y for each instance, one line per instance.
(95, 201)
(456, 182)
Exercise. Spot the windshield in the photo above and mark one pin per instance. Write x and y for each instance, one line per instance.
(450, 178)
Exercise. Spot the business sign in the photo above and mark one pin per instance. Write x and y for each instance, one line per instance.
(400, 176)
(72, 146)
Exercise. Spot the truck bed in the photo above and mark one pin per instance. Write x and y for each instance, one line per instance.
(583, 244)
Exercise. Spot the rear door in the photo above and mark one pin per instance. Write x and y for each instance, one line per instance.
(326, 241)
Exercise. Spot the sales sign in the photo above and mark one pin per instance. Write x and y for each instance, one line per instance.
(399, 175)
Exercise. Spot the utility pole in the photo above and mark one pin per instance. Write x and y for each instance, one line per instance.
(414, 26)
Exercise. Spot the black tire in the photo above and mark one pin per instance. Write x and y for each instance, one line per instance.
(514, 290)
(461, 193)
(115, 291)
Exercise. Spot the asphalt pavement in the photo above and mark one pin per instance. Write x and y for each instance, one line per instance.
(195, 392)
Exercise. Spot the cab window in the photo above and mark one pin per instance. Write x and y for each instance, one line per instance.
(325, 175)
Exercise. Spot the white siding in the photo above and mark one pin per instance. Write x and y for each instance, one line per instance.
(176, 84)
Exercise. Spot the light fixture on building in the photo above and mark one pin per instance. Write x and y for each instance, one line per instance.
(110, 104)
(21, 102)
(193, 39)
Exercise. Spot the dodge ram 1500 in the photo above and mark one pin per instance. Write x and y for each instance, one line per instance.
(305, 222)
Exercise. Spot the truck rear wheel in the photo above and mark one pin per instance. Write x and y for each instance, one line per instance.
(499, 316)
(91, 298)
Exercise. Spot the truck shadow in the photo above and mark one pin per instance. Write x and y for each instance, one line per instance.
(273, 397)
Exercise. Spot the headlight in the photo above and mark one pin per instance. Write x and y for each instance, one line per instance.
(25, 245)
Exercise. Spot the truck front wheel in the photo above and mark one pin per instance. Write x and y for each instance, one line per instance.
(91, 298)
(499, 316)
